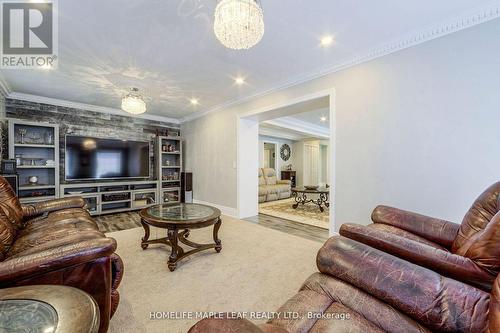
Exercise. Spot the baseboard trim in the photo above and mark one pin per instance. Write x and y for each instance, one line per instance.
(228, 211)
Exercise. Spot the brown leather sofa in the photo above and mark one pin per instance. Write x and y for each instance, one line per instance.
(469, 252)
(57, 242)
(361, 290)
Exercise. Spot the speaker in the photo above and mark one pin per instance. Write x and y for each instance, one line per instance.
(187, 187)
(13, 180)
(8, 167)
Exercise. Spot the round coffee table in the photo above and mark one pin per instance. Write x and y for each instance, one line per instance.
(300, 196)
(184, 217)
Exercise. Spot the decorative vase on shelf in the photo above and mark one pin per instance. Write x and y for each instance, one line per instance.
(49, 139)
(22, 132)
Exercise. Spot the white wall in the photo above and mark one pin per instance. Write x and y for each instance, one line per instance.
(211, 154)
(417, 129)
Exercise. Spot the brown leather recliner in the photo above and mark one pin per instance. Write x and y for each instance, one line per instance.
(364, 290)
(57, 242)
(469, 252)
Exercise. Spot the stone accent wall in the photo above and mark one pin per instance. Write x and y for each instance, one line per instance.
(88, 123)
(2, 106)
(2, 123)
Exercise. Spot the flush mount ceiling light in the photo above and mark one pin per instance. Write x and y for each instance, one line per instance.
(133, 103)
(194, 101)
(239, 24)
(326, 41)
(239, 80)
(323, 119)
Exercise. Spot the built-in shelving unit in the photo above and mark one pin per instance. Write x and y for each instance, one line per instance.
(169, 166)
(35, 147)
(114, 197)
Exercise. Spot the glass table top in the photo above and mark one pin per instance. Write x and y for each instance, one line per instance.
(181, 212)
(25, 315)
(310, 190)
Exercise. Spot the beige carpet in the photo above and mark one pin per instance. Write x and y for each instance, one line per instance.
(257, 270)
(306, 214)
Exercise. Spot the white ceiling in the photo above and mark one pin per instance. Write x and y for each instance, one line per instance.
(167, 48)
(314, 117)
(284, 133)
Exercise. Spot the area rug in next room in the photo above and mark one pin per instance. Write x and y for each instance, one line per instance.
(258, 270)
(307, 214)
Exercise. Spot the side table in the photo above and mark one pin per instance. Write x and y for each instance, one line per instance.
(47, 309)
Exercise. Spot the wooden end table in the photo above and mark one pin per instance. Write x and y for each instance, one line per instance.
(48, 309)
(179, 219)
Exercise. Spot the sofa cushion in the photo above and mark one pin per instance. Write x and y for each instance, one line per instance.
(262, 181)
(355, 322)
(269, 176)
(372, 309)
(483, 247)
(10, 204)
(74, 216)
(7, 234)
(262, 190)
(278, 188)
(41, 241)
(59, 228)
(405, 234)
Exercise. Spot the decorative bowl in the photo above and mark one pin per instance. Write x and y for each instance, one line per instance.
(311, 187)
(75, 192)
(33, 180)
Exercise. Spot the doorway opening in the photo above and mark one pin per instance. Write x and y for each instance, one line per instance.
(301, 134)
(269, 157)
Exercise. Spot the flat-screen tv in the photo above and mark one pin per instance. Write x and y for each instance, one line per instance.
(89, 158)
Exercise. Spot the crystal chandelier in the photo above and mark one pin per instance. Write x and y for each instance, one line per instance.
(239, 24)
(133, 102)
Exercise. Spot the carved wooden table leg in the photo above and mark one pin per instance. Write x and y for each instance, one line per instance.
(173, 238)
(178, 231)
(218, 243)
(296, 197)
(144, 239)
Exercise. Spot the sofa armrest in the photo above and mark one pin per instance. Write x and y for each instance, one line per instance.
(446, 263)
(284, 182)
(21, 267)
(422, 294)
(225, 325)
(38, 208)
(494, 317)
(436, 230)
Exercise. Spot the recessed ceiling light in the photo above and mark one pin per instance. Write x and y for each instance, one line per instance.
(327, 40)
(323, 119)
(194, 101)
(239, 80)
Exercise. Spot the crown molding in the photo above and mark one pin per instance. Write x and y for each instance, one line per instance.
(89, 107)
(472, 18)
(280, 133)
(301, 127)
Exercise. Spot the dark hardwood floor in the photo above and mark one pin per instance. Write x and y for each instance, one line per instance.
(291, 227)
